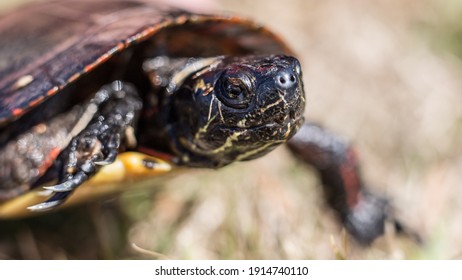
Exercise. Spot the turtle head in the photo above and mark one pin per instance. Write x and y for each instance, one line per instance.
(237, 108)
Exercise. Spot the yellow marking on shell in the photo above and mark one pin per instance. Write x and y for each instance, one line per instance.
(23, 81)
(127, 172)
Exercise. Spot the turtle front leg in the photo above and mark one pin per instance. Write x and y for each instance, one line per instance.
(113, 112)
(362, 212)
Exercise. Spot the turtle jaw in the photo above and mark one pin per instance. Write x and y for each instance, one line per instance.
(235, 143)
(271, 135)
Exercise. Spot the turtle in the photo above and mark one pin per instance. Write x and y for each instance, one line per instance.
(95, 96)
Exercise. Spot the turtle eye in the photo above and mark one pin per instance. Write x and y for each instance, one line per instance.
(234, 93)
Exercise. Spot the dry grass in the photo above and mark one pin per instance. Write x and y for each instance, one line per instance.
(374, 74)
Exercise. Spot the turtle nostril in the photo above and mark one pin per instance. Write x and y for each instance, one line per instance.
(285, 79)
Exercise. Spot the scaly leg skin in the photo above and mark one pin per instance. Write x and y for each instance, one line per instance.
(114, 111)
(363, 213)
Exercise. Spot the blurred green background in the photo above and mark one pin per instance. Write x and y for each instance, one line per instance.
(385, 74)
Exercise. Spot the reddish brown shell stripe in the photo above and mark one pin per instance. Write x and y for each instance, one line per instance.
(65, 49)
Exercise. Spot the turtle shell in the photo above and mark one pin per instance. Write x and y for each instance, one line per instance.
(48, 46)
(54, 54)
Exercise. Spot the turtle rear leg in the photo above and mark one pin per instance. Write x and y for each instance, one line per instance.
(113, 112)
(362, 213)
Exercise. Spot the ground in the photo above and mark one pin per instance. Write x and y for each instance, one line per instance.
(384, 74)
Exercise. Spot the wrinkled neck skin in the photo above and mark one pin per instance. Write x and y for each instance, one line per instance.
(214, 111)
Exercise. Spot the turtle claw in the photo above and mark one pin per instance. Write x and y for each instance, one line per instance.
(110, 158)
(96, 144)
(54, 201)
(111, 152)
(72, 183)
(58, 193)
(45, 193)
(102, 162)
(64, 187)
(44, 206)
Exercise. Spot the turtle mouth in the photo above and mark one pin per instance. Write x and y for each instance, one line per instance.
(280, 121)
(284, 119)
(276, 129)
(291, 116)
